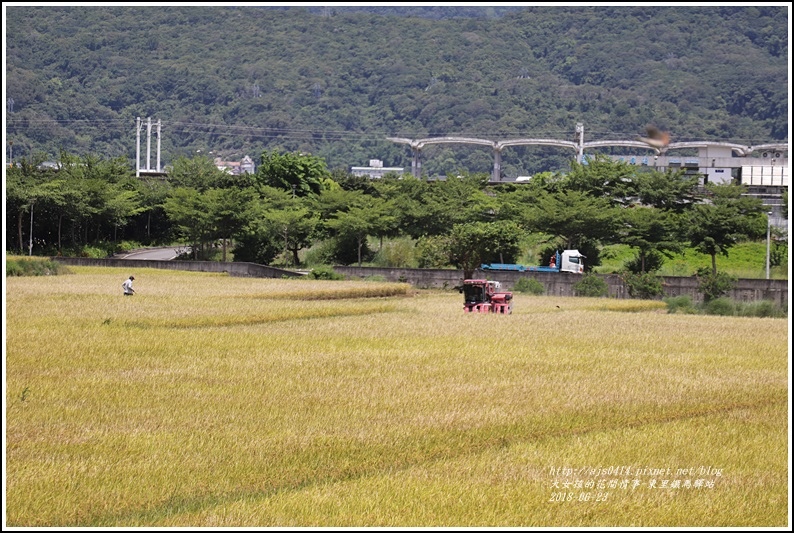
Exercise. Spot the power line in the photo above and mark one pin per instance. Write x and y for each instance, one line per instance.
(366, 135)
(259, 132)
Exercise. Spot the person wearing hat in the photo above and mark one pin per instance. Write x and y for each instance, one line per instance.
(127, 286)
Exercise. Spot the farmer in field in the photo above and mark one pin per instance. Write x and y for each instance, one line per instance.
(127, 286)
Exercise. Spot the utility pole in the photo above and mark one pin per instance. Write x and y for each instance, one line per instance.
(30, 246)
(768, 233)
(158, 145)
(148, 143)
(138, 147)
(138, 127)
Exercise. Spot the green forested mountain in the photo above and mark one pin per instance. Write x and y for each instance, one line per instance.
(338, 82)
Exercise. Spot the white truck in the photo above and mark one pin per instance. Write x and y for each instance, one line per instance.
(569, 261)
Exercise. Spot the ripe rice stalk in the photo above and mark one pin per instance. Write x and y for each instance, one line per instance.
(190, 404)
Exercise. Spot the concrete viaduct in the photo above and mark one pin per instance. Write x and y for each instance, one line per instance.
(708, 152)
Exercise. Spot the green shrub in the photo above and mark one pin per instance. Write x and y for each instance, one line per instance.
(761, 309)
(101, 249)
(530, 285)
(725, 307)
(396, 253)
(713, 286)
(127, 246)
(591, 286)
(653, 261)
(680, 304)
(321, 253)
(324, 272)
(339, 250)
(432, 252)
(719, 306)
(645, 286)
(94, 252)
(34, 267)
(778, 254)
(255, 247)
(13, 268)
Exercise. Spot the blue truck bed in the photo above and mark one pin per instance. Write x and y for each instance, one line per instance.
(502, 266)
(518, 268)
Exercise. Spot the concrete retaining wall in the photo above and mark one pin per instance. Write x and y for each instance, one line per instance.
(557, 284)
(240, 269)
(561, 284)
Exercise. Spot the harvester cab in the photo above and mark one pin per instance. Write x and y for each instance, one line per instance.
(483, 296)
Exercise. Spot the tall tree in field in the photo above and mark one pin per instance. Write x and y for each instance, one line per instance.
(186, 208)
(21, 180)
(153, 193)
(574, 216)
(292, 220)
(198, 172)
(651, 231)
(577, 219)
(515, 201)
(474, 243)
(276, 223)
(228, 210)
(331, 201)
(370, 217)
(121, 205)
(102, 194)
(456, 200)
(297, 223)
(30, 190)
(603, 177)
(407, 195)
(724, 219)
(670, 191)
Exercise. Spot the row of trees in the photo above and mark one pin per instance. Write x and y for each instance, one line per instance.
(293, 202)
(81, 201)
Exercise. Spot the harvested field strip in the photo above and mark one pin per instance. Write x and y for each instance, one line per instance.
(277, 315)
(628, 306)
(336, 293)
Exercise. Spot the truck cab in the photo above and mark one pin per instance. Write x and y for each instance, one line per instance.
(571, 261)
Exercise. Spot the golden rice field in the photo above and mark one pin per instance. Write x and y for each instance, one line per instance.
(206, 400)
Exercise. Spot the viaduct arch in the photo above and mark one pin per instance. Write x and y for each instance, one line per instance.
(496, 147)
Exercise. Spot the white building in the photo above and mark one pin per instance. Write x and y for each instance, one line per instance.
(246, 166)
(375, 169)
(765, 175)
